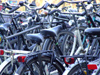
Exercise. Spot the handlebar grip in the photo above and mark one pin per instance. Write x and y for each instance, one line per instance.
(51, 12)
(46, 5)
(13, 9)
(60, 3)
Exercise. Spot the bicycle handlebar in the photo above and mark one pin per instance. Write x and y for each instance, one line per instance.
(46, 5)
(8, 7)
(76, 1)
(21, 14)
(53, 11)
(60, 3)
(73, 13)
(18, 15)
(63, 1)
(5, 5)
(13, 9)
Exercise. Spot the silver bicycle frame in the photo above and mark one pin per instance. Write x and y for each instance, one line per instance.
(77, 37)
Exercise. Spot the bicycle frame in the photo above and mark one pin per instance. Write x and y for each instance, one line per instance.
(97, 61)
(77, 37)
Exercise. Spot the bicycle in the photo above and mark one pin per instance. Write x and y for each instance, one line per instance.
(93, 52)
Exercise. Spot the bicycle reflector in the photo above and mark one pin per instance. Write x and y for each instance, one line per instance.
(21, 58)
(69, 60)
(92, 66)
(1, 52)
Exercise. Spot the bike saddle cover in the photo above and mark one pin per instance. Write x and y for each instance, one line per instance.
(51, 32)
(92, 31)
(35, 38)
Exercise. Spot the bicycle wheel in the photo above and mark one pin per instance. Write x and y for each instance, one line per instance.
(47, 44)
(33, 64)
(67, 44)
(50, 45)
(9, 69)
(78, 70)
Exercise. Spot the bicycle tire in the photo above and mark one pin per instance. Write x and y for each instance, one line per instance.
(67, 44)
(50, 45)
(76, 70)
(9, 69)
(23, 67)
(68, 41)
(46, 44)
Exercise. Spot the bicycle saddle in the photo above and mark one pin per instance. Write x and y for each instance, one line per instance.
(51, 32)
(92, 31)
(35, 38)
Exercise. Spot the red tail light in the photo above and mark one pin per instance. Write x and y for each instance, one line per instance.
(69, 60)
(21, 58)
(92, 66)
(1, 52)
(21, 22)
